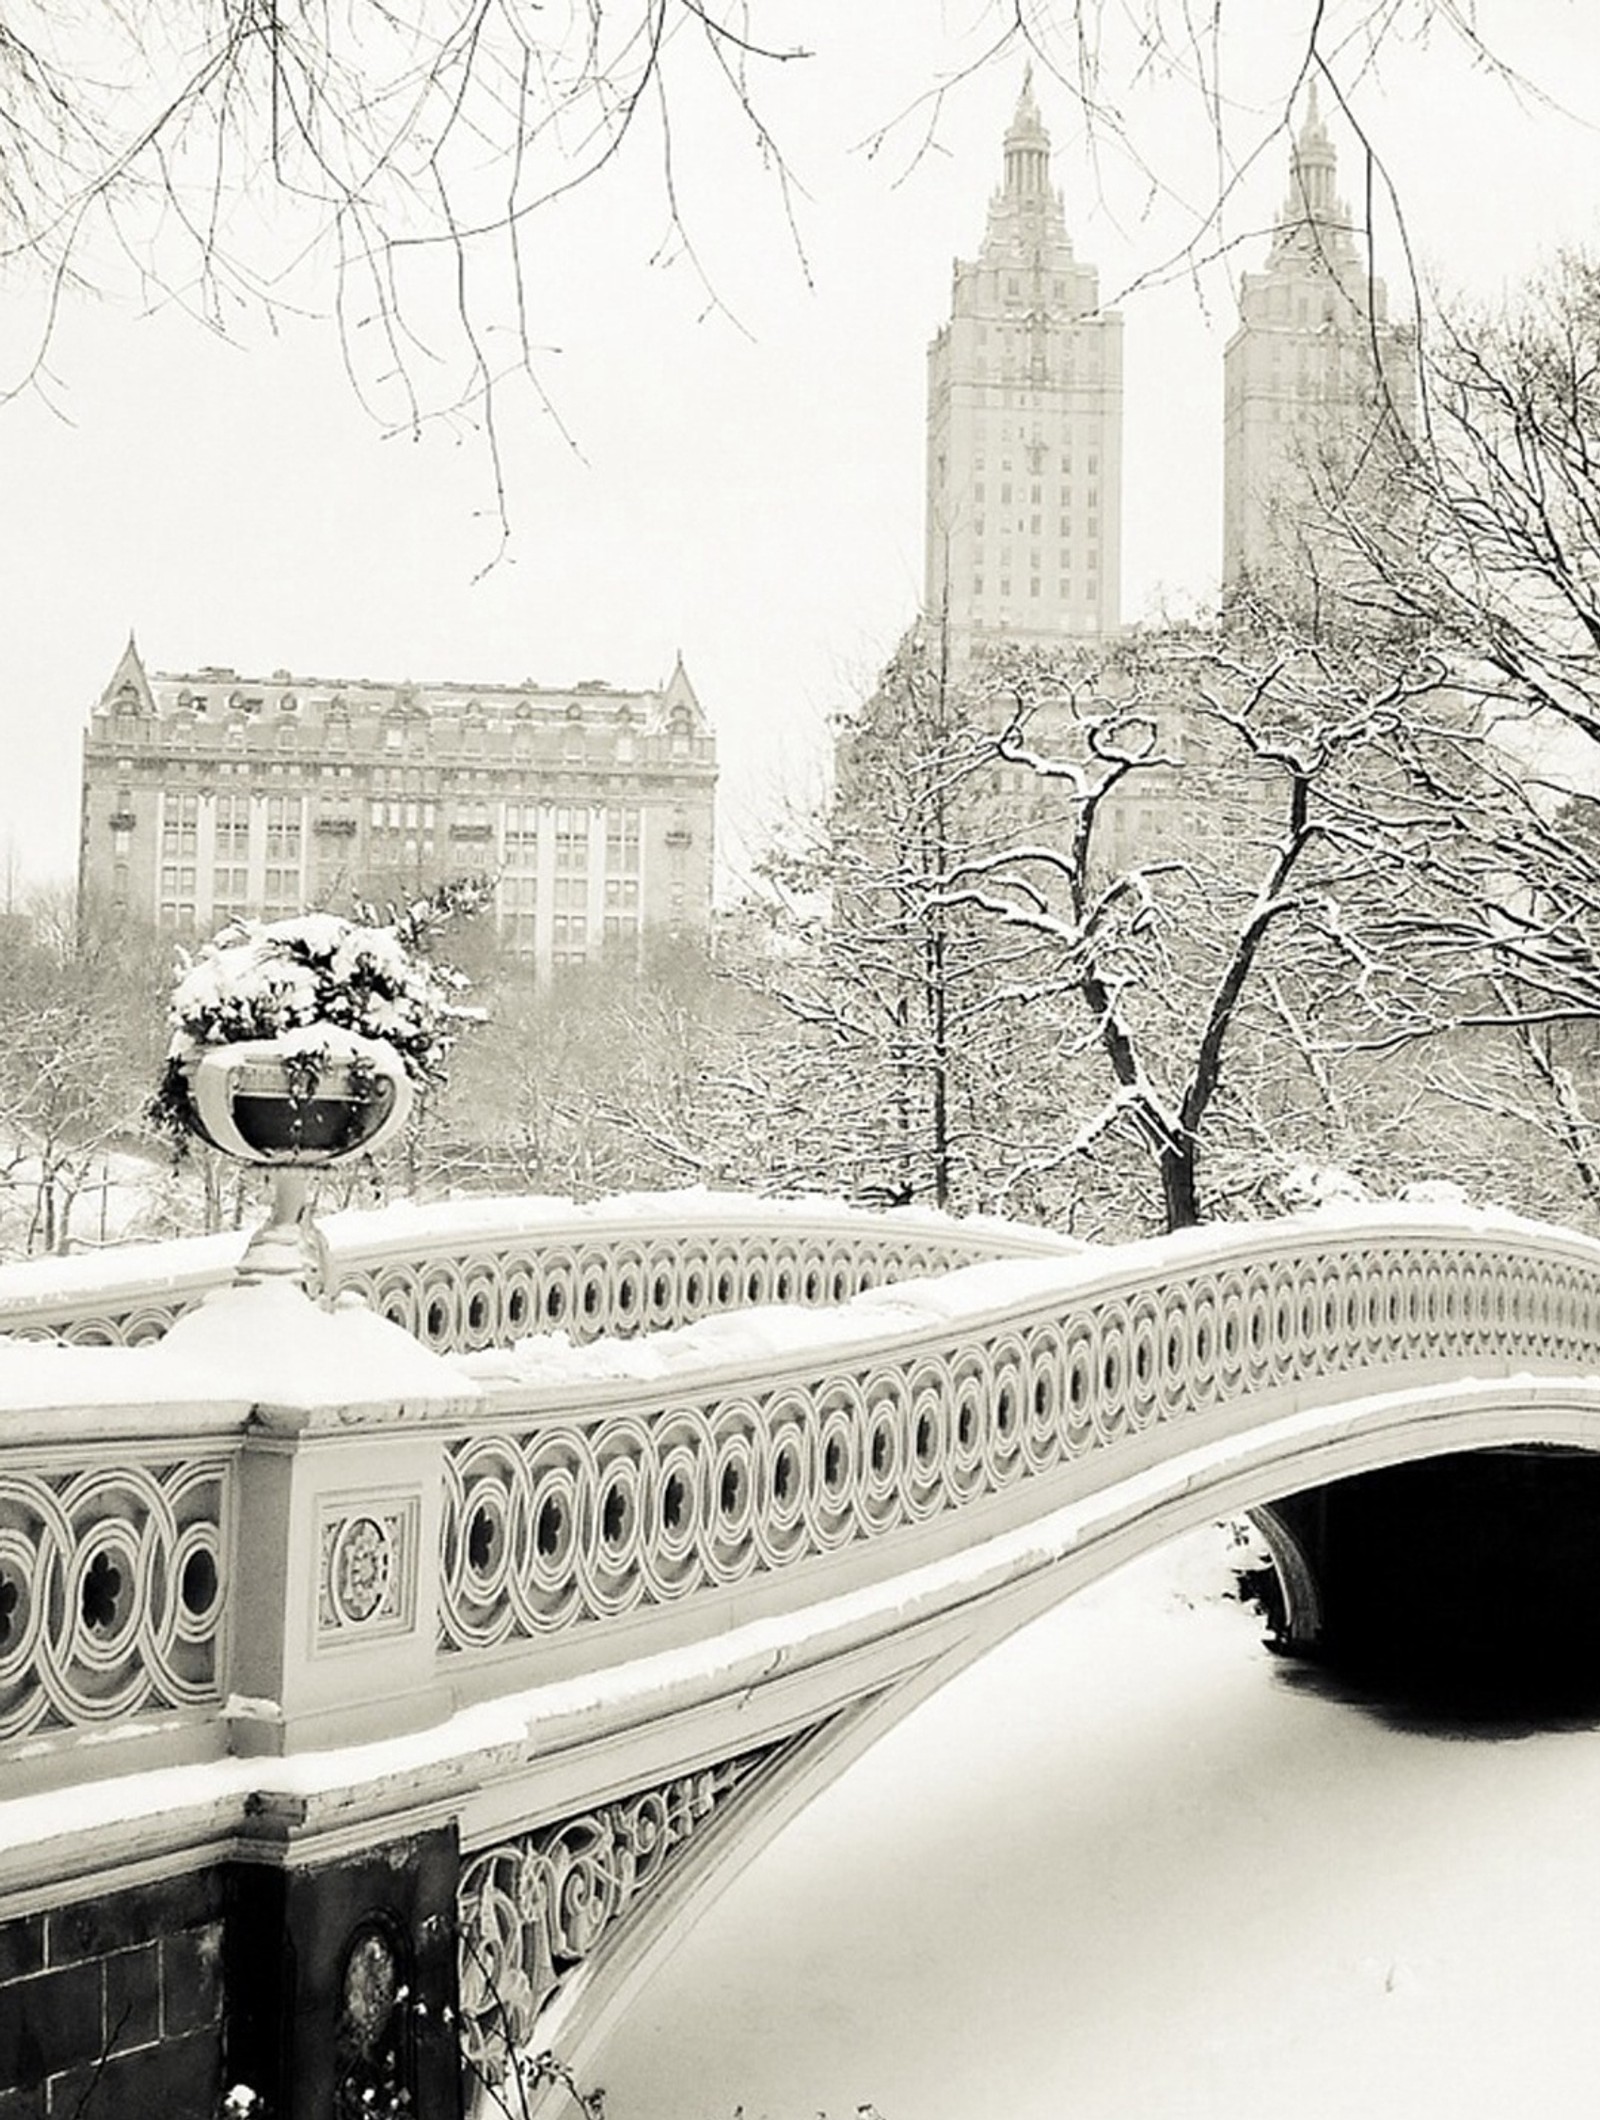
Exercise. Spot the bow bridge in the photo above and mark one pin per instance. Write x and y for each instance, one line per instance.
(384, 1681)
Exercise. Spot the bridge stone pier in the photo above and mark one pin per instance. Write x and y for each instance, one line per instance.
(385, 1684)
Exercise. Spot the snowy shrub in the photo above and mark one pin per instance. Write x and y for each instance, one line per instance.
(327, 989)
(1313, 1185)
(1435, 1192)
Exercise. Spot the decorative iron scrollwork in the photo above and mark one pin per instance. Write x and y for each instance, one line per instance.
(533, 1907)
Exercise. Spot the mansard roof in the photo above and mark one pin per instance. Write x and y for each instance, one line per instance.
(221, 692)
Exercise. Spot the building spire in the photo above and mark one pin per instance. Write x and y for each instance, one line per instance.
(1025, 214)
(1027, 147)
(129, 688)
(1312, 166)
(1313, 220)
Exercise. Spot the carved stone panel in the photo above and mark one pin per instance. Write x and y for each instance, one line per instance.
(367, 1567)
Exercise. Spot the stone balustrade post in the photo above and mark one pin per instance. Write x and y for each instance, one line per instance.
(334, 1624)
(340, 1965)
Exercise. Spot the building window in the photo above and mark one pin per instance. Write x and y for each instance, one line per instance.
(178, 902)
(180, 825)
(283, 890)
(519, 900)
(622, 842)
(230, 852)
(621, 918)
(572, 842)
(232, 829)
(521, 834)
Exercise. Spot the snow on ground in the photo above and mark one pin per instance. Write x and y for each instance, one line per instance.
(1129, 1868)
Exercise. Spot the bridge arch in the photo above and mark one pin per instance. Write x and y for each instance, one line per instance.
(1005, 1590)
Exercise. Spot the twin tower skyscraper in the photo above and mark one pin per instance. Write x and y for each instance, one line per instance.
(1024, 470)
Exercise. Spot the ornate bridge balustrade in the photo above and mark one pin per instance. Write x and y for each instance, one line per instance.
(576, 1503)
(476, 1273)
(943, 1449)
(581, 1505)
(118, 1502)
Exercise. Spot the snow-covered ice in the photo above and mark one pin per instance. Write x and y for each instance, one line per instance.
(1127, 1868)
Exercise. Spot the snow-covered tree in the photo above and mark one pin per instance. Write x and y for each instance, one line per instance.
(1499, 566)
(1205, 890)
(615, 1075)
(79, 1045)
(926, 1082)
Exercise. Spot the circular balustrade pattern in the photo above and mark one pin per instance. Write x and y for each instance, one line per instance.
(111, 1593)
(113, 1582)
(535, 1905)
(626, 1286)
(579, 1519)
(113, 1577)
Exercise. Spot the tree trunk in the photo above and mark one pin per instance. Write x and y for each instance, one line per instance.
(1180, 1189)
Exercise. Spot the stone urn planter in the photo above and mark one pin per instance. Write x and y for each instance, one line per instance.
(273, 1101)
(298, 1043)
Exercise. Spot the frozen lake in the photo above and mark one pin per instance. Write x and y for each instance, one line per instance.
(1129, 1868)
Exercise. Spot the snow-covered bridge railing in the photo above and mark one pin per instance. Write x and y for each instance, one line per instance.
(464, 1274)
(513, 1515)
(118, 1522)
(596, 1491)
(598, 1615)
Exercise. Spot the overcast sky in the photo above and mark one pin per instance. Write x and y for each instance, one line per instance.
(744, 481)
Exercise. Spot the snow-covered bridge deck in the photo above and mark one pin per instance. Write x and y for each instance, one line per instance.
(287, 1584)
